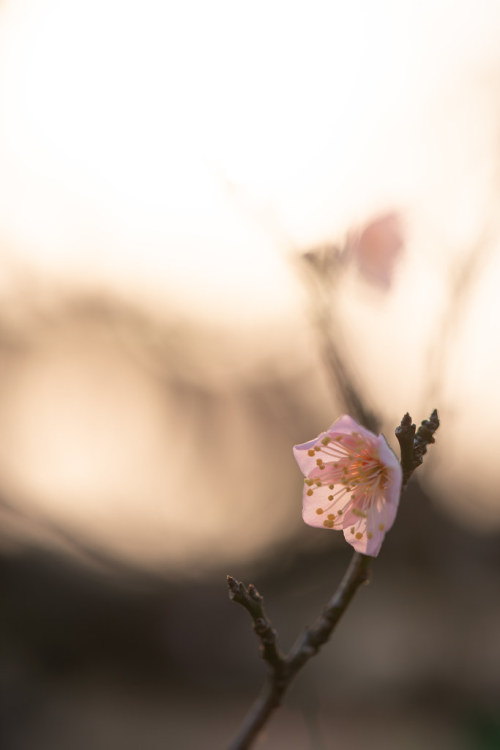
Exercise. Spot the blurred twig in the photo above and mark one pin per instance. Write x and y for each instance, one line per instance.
(42, 530)
(464, 275)
(322, 269)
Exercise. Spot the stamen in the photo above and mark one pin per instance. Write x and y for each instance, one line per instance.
(355, 482)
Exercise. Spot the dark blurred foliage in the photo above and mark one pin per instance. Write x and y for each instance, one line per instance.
(108, 658)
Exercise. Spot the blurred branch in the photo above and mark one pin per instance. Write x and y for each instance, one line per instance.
(463, 277)
(283, 668)
(322, 268)
(41, 531)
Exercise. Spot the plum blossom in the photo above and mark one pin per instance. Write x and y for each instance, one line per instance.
(377, 247)
(352, 482)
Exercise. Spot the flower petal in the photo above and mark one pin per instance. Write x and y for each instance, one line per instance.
(306, 461)
(352, 482)
(389, 458)
(320, 504)
(346, 425)
(364, 537)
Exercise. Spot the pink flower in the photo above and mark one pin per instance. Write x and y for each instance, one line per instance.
(352, 482)
(377, 247)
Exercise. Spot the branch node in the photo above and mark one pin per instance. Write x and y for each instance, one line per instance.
(254, 594)
(253, 602)
(413, 443)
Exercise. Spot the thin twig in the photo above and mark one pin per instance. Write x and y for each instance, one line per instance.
(318, 634)
(254, 604)
(284, 668)
(322, 269)
(413, 443)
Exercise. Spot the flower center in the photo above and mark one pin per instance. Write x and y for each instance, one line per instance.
(355, 476)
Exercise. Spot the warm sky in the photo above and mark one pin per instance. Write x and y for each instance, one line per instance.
(180, 153)
(185, 146)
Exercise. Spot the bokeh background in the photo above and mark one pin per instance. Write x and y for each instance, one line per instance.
(199, 203)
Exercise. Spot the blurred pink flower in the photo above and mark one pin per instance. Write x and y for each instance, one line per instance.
(352, 482)
(376, 248)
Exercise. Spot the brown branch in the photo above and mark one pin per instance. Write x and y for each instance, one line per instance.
(277, 682)
(318, 634)
(413, 443)
(254, 604)
(284, 668)
(425, 437)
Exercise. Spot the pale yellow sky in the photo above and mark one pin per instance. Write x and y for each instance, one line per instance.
(184, 147)
(179, 154)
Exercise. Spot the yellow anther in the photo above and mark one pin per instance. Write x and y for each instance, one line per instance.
(359, 535)
(317, 447)
(309, 492)
(339, 512)
(381, 527)
(326, 440)
(318, 483)
(352, 529)
(319, 511)
(309, 482)
(358, 512)
(319, 461)
(328, 524)
(310, 452)
(331, 517)
(330, 497)
(369, 535)
(331, 486)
